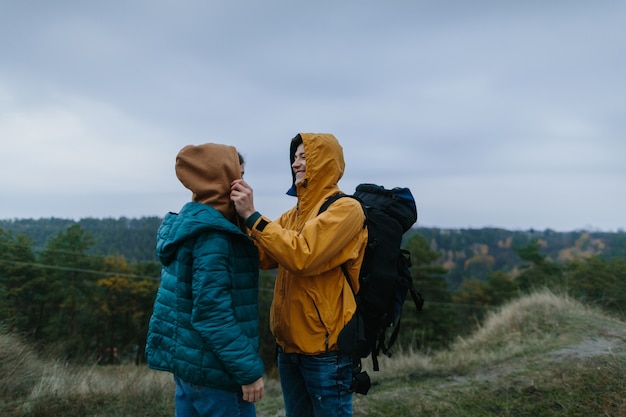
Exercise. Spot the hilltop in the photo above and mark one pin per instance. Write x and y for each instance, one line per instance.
(540, 355)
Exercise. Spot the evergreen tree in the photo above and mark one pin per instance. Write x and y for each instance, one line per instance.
(436, 326)
(475, 297)
(17, 273)
(538, 271)
(600, 282)
(66, 290)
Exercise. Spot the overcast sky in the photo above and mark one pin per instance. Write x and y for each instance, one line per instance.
(507, 114)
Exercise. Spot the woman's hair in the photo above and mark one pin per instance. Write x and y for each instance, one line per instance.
(241, 163)
(295, 142)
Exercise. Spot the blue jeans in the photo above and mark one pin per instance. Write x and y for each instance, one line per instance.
(316, 386)
(196, 401)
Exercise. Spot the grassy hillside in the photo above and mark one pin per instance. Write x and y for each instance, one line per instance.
(542, 355)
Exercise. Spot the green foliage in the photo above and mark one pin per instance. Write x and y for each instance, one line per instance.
(124, 304)
(599, 282)
(435, 326)
(267, 341)
(473, 252)
(86, 299)
(16, 275)
(501, 288)
(64, 298)
(475, 298)
(594, 280)
(476, 253)
(68, 281)
(487, 249)
(135, 239)
(539, 271)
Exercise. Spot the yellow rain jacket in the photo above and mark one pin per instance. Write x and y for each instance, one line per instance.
(312, 298)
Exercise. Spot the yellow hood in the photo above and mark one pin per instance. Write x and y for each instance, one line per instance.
(324, 168)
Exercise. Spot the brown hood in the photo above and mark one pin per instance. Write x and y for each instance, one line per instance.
(207, 170)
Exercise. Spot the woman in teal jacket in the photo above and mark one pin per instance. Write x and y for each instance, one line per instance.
(204, 326)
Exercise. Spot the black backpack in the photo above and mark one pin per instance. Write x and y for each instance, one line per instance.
(384, 278)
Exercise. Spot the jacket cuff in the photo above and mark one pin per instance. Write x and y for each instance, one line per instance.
(252, 219)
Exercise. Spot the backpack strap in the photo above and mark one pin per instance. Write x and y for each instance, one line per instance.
(375, 348)
(323, 208)
(330, 200)
(345, 273)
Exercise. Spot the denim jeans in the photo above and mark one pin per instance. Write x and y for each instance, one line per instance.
(316, 385)
(196, 401)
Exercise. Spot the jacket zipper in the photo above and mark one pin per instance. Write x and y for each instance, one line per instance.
(326, 342)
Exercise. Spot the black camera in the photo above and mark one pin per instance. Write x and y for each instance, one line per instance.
(361, 383)
(360, 379)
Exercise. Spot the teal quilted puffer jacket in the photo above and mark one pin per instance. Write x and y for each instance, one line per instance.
(204, 326)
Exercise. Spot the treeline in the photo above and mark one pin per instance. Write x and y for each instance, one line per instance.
(463, 253)
(67, 297)
(476, 253)
(135, 239)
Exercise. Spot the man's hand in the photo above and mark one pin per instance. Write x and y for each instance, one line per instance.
(242, 196)
(253, 392)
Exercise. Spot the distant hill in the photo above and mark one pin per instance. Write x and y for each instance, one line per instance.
(133, 238)
(475, 253)
(464, 252)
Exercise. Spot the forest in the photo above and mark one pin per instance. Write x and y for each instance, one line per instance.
(83, 290)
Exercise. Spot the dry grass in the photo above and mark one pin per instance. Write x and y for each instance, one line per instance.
(526, 326)
(544, 355)
(20, 367)
(57, 379)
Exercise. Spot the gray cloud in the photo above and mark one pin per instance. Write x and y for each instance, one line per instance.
(494, 113)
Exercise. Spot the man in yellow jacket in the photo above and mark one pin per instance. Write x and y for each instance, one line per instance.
(312, 298)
